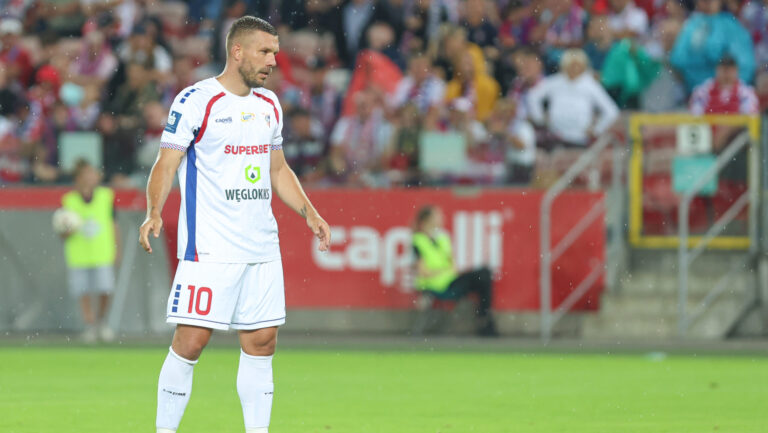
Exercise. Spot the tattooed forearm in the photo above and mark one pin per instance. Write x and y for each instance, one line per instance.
(303, 211)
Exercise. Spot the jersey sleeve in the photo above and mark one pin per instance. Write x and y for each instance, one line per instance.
(184, 119)
(277, 135)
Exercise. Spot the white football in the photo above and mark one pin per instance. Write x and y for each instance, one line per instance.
(66, 221)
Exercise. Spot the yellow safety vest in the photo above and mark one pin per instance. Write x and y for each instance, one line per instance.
(93, 245)
(437, 257)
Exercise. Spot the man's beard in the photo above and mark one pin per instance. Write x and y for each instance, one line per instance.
(249, 77)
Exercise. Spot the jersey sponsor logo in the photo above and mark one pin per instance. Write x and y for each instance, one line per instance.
(247, 117)
(252, 174)
(246, 150)
(224, 120)
(477, 241)
(173, 122)
(243, 194)
(268, 119)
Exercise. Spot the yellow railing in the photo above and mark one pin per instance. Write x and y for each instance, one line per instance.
(636, 122)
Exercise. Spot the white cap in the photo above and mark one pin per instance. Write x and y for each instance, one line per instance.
(10, 25)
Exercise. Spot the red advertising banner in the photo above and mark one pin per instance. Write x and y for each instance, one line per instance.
(370, 264)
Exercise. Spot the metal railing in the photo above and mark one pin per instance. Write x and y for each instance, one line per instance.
(687, 256)
(550, 316)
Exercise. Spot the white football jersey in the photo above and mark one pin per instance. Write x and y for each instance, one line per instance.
(226, 191)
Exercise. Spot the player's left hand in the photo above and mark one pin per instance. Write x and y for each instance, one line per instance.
(321, 229)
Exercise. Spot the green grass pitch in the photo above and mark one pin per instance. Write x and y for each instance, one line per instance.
(82, 390)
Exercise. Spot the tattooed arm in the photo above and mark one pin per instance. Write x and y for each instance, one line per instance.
(288, 188)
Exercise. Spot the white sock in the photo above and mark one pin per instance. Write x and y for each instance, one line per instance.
(173, 390)
(255, 387)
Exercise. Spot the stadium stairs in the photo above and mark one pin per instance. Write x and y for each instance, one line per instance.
(645, 305)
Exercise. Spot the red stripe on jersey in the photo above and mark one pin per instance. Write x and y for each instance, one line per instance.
(274, 107)
(205, 118)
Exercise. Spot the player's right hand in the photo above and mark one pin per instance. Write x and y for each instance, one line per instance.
(152, 224)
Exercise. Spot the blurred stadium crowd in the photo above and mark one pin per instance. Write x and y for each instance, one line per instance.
(368, 85)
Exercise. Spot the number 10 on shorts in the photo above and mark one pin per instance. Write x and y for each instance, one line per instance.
(199, 299)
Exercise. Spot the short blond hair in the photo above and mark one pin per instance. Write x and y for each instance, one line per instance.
(574, 55)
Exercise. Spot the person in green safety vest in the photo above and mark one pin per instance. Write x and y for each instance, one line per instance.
(91, 249)
(437, 275)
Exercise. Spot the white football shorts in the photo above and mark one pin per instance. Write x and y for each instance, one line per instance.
(224, 295)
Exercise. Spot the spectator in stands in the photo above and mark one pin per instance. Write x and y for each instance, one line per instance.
(360, 141)
(14, 161)
(230, 11)
(13, 56)
(424, 19)
(142, 48)
(573, 95)
(472, 83)
(452, 47)
(599, 41)
(627, 20)
(437, 275)
(463, 120)
(627, 72)
(480, 31)
(517, 140)
(324, 99)
(420, 87)
(708, 35)
(530, 71)
(517, 24)
(118, 150)
(724, 94)
(138, 90)
(356, 17)
(560, 27)
(91, 249)
(754, 16)
(86, 111)
(381, 38)
(403, 161)
(304, 146)
(667, 92)
(95, 64)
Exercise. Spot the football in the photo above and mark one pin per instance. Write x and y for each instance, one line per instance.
(66, 221)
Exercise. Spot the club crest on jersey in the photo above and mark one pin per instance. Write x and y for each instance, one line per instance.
(268, 118)
(252, 174)
(173, 122)
(247, 117)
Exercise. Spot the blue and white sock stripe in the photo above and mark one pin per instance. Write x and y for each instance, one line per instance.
(176, 296)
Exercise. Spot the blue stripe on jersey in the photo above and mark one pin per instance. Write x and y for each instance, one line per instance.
(186, 95)
(176, 295)
(191, 193)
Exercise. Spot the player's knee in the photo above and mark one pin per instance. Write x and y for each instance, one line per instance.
(191, 347)
(262, 344)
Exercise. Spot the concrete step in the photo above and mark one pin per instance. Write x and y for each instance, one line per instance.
(665, 262)
(652, 304)
(647, 282)
(599, 326)
(642, 316)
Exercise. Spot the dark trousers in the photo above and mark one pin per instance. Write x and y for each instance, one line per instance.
(477, 281)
